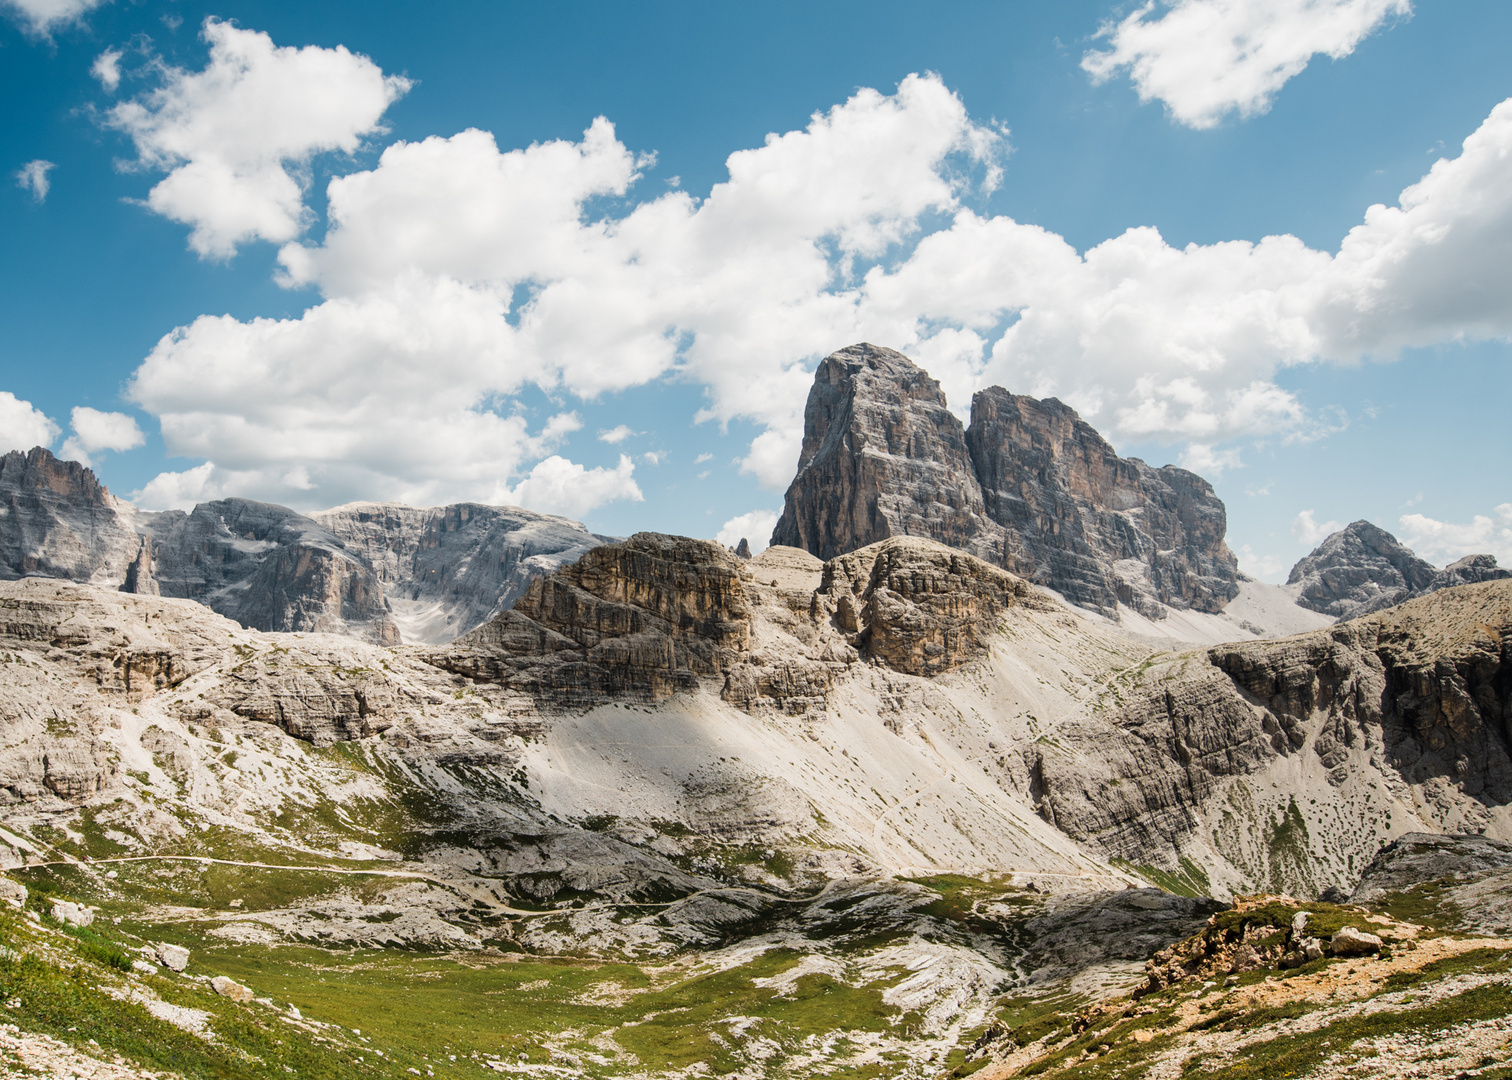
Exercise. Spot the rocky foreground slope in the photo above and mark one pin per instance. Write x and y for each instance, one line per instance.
(786, 813)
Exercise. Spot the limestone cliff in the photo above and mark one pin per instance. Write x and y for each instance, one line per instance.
(1028, 486)
(57, 520)
(1363, 568)
(1094, 526)
(882, 456)
(267, 567)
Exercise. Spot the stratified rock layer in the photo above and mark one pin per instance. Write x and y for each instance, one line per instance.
(1094, 526)
(1029, 486)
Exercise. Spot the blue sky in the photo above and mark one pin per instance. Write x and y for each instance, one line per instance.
(316, 253)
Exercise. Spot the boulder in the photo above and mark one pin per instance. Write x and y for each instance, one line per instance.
(13, 892)
(1352, 942)
(173, 957)
(72, 914)
(230, 988)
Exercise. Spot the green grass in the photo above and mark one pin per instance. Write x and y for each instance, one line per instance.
(1294, 1055)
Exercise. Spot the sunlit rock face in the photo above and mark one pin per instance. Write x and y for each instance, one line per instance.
(57, 520)
(1028, 486)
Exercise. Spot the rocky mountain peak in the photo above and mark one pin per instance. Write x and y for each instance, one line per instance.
(58, 520)
(882, 456)
(1363, 568)
(1029, 486)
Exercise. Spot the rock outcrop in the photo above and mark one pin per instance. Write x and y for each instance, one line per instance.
(1422, 691)
(657, 615)
(58, 521)
(639, 620)
(1028, 486)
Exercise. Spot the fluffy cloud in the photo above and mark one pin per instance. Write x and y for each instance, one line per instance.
(107, 69)
(756, 527)
(617, 434)
(455, 274)
(1260, 567)
(94, 431)
(559, 486)
(22, 426)
(1443, 542)
(235, 137)
(1207, 58)
(1308, 531)
(32, 177)
(41, 17)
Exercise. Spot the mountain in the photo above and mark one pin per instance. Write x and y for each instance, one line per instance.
(379, 572)
(1363, 568)
(57, 520)
(1028, 486)
(899, 800)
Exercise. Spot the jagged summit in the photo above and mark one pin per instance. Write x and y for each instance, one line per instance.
(882, 456)
(1029, 486)
(1363, 568)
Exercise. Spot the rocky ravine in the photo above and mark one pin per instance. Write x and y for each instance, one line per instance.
(1028, 486)
(375, 571)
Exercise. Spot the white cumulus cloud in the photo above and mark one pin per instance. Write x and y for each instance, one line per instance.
(32, 177)
(617, 434)
(22, 425)
(1309, 531)
(235, 137)
(41, 17)
(107, 69)
(1207, 58)
(755, 527)
(1260, 567)
(94, 431)
(455, 274)
(1442, 542)
(559, 486)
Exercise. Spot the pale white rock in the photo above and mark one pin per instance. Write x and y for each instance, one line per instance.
(173, 957)
(1352, 942)
(72, 914)
(228, 987)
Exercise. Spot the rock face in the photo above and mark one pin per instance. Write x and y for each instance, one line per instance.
(655, 615)
(265, 566)
(449, 569)
(57, 520)
(1467, 877)
(1097, 527)
(369, 570)
(1028, 486)
(639, 620)
(882, 456)
(1363, 568)
(1422, 690)
(1357, 570)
